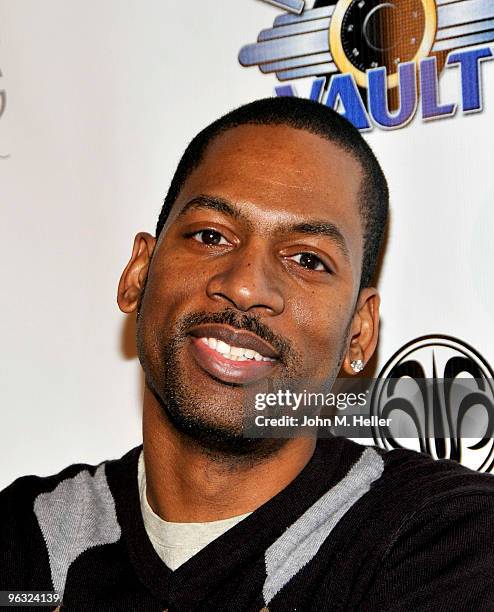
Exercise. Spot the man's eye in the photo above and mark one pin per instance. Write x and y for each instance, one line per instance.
(209, 237)
(310, 262)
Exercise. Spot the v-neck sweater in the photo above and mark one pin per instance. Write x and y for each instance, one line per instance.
(174, 542)
(358, 529)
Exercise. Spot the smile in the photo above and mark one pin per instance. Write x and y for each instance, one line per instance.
(230, 355)
(234, 353)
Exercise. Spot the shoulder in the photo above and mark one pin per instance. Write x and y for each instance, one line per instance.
(411, 474)
(428, 528)
(80, 478)
(439, 550)
(402, 493)
(441, 514)
(30, 503)
(392, 485)
(41, 515)
(26, 490)
(407, 480)
(422, 490)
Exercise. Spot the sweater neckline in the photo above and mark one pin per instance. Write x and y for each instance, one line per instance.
(241, 545)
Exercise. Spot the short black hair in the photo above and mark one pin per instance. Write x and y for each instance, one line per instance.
(303, 114)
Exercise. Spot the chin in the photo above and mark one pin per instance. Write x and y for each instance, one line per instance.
(218, 438)
(216, 430)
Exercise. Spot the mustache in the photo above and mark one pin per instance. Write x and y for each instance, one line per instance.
(242, 322)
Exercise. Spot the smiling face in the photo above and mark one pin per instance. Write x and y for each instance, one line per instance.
(255, 276)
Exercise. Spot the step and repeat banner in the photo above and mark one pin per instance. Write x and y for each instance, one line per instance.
(97, 102)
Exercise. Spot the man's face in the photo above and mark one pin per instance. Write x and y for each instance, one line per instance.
(255, 276)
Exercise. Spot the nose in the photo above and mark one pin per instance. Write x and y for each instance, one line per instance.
(248, 280)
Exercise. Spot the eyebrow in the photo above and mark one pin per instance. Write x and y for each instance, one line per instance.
(310, 227)
(212, 203)
(321, 228)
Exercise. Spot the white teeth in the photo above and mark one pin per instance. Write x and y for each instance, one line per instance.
(234, 353)
(222, 347)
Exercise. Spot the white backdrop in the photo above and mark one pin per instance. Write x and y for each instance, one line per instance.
(102, 97)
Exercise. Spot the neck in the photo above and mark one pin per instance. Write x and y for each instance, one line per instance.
(186, 483)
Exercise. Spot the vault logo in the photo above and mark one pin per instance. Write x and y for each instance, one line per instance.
(373, 59)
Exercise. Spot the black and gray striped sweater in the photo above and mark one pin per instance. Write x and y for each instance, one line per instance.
(358, 529)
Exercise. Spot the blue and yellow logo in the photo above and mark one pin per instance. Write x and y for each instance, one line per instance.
(375, 60)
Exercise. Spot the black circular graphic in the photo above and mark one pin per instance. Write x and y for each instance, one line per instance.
(442, 390)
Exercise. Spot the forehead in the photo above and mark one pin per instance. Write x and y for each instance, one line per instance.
(280, 173)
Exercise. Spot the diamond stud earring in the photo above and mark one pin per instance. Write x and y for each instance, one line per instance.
(357, 365)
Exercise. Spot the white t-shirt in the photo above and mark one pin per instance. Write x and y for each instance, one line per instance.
(175, 543)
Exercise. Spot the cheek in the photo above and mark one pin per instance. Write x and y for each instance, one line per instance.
(321, 329)
(172, 291)
(173, 288)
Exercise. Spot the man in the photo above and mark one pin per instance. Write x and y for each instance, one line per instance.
(260, 272)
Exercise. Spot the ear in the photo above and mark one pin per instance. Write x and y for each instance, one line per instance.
(364, 329)
(134, 276)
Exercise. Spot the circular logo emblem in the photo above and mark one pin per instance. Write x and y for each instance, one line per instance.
(439, 393)
(366, 34)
